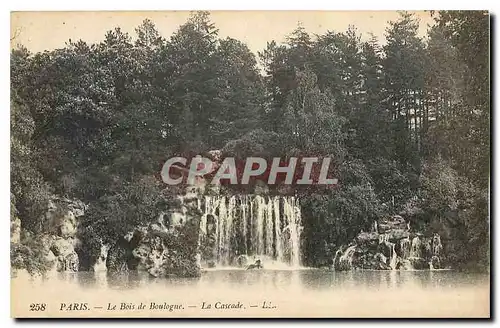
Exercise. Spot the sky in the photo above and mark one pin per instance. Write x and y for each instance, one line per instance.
(39, 31)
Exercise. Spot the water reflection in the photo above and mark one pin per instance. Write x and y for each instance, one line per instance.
(289, 280)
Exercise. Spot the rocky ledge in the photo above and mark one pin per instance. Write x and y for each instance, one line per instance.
(163, 248)
(390, 245)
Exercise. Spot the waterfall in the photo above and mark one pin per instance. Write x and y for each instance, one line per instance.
(293, 219)
(269, 228)
(394, 256)
(266, 228)
(259, 249)
(347, 257)
(277, 228)
(385, 239)
(415, 251)
(337, 254)
(244, 223)
(405, 248)
(437, 247)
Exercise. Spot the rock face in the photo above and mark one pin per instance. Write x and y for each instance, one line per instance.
(53, 247)
(60, 238)
(160, 252)
(168, 247)
(390, 245)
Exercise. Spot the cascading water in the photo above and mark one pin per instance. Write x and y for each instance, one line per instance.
(405, 248)
(437, 247)
(397, 249)
(394, 256)
(338, 253)
(347, 257)
(266, 228)
(384, 238)
(415, 248)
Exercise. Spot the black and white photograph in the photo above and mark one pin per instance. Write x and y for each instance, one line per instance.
(250, 164)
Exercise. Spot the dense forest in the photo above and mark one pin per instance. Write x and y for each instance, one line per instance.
(406, 121)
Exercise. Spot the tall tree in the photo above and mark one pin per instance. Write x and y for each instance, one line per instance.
(404, 82)
(195, 86)
(241, 92)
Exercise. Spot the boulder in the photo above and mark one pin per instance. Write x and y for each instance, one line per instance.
(394, 222)
(62, 247)
(398, 234)
(390, 240)
(159, 250)
(67, 227)
(68, 262)
(367, 236)
(62, 216)
(168, 246)
(151, 255)
(65, 254)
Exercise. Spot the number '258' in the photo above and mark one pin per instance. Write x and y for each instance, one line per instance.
(37, 307)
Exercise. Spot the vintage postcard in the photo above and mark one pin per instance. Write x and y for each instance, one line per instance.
(250, 164)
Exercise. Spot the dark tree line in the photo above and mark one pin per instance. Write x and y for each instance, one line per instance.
(407, 124)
